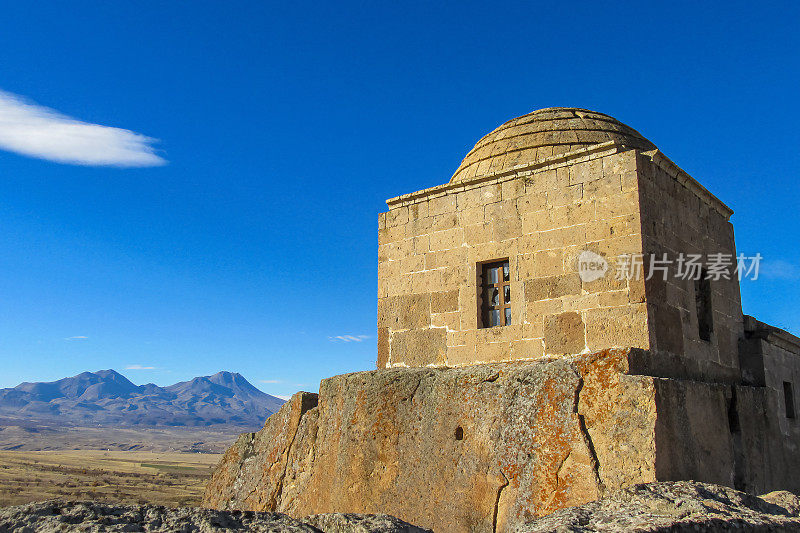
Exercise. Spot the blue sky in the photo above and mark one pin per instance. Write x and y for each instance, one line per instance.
(242, 234)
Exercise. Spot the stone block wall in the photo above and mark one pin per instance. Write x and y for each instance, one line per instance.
(783, 366)
(770, 357)
(540, 218)
(725, 434)
(679, 216)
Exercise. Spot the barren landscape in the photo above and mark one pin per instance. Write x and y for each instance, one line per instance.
(163, 478)
(141, 444)
(21, 435)
(162, 466)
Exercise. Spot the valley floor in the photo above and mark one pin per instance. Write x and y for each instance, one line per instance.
(31, 435)
(163, 478)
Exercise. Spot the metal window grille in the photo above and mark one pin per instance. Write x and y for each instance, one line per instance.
(495, 294)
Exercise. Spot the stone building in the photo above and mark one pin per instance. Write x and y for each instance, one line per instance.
(525, 365)
(531, 197)
(488, 268)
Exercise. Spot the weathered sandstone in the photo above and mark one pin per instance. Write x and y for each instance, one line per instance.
(486, 447)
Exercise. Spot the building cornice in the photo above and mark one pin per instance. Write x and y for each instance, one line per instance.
(771, 334)
(667, 165)
(560, 160)
(567, 158)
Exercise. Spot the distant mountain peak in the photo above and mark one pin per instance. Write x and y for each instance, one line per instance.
(111, 373)
(225, 377)
(108, 397)
(225, 373)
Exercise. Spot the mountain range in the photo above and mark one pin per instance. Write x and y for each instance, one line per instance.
(107, 398)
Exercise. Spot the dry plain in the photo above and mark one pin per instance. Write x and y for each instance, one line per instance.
(165, 466)
(164, 478)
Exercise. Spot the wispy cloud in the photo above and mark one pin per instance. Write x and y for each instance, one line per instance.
(139, 367)
(76, 338)
(348, 338)
(780, 269)
(271, 381)
(36, 131)
(283, 396)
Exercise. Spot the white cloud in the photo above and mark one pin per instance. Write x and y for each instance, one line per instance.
(780, 269)
(139, 367)
(272, 381)
(348, 338)
(283, 396)
(76, 338)
(30, 129)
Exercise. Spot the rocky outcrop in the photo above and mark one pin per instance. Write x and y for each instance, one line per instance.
(53, 516)
(678, 507)
(488, 447)
(257, 463)
(360, 523)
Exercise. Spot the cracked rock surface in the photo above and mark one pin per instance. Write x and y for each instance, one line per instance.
(478, 448)
(676, 506)
(59, 516)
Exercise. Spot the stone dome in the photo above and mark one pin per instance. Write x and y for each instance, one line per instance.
(541, 134)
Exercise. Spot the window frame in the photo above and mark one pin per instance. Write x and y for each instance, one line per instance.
(502, 284)
(704, 306)
(788, 400)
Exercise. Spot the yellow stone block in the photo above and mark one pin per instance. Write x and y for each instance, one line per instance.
(527, 349)
(397, 216)
(617, 326)
(446, 239)
(441, 205)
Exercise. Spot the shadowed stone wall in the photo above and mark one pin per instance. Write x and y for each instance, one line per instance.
(679, 217)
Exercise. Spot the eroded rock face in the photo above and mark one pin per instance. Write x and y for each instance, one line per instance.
(257, 463)
(477, 448)
(487, 448)
(676, 506)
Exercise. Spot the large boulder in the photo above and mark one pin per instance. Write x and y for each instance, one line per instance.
(677, 507)
(474, 448)
(482, 448)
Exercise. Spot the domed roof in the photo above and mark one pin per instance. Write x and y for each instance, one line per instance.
(541, 134)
